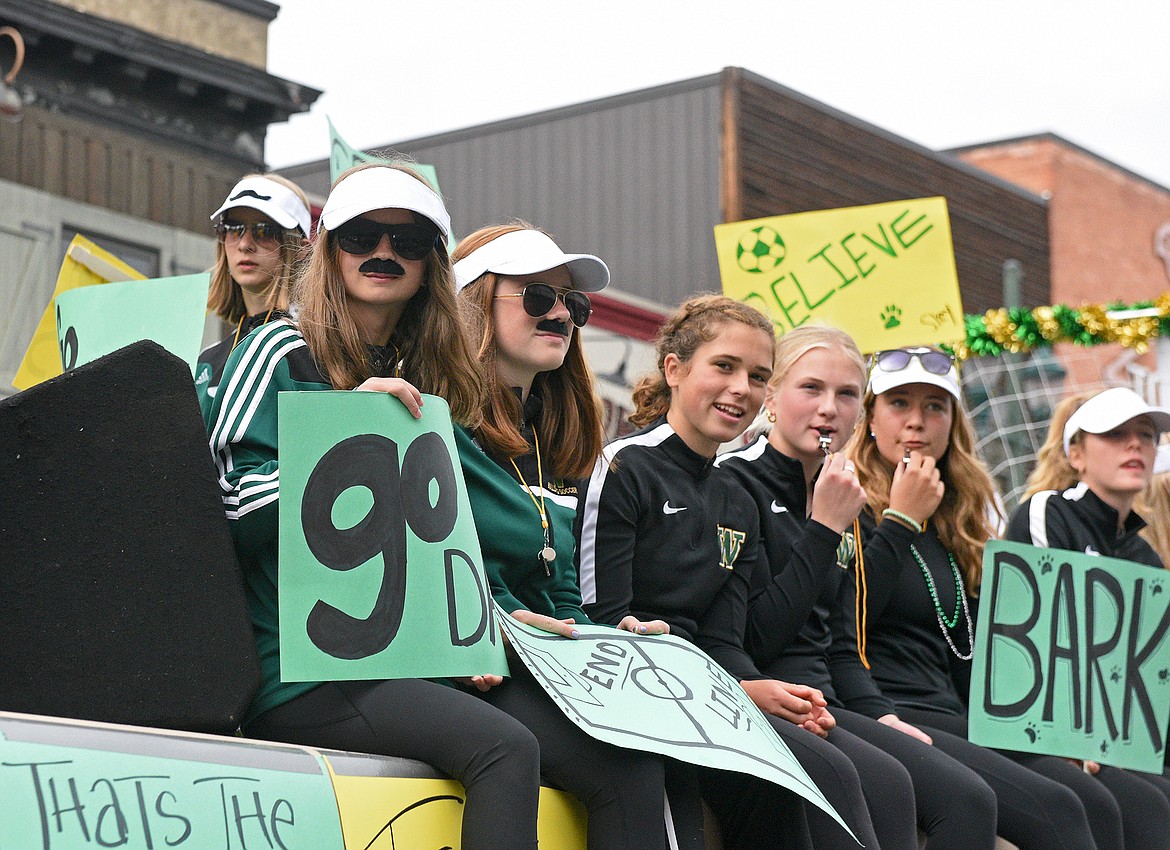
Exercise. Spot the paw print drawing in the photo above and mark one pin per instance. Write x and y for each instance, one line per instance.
(1164, 675)
(1030, 731)
(1046, 565)
(1115, 674)
(1156, 587)
(891, 316)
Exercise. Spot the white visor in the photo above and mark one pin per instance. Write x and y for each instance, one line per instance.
(881, 381)
(382, 187)
(273, 199)
(1106, 410)
(528, 252)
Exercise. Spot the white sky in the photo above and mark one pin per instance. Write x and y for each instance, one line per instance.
(937, 72)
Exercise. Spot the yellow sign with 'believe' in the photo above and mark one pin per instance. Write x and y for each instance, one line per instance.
(884, 272)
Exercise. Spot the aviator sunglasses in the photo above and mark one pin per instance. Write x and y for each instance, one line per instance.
(540, 298)
(897, 359)
(264, 233)
(409, 241)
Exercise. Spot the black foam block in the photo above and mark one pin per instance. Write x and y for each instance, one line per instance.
(120, 595)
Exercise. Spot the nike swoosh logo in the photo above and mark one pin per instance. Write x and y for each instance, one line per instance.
(778, 509)
(668, 510)
(1089, 550)
(211, 391)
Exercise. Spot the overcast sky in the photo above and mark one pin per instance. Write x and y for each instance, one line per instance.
(939, 73)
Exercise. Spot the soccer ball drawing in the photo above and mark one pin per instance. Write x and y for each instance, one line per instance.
(760, 250)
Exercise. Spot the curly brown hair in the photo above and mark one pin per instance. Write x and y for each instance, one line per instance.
(697, 321)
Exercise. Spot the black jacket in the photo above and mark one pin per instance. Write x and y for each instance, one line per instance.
(664, 535)
(788, 613)
(1077, 519)
(911, 663)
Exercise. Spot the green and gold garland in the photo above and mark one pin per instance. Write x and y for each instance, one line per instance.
(1020, 329)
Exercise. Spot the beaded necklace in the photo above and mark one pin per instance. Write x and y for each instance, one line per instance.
(945, 623)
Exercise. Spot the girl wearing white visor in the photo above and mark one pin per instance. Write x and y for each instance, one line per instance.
(1110, 442)
(261, 227)
(377, 312)
(526, 301)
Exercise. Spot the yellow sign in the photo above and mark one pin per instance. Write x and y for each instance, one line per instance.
(885, 272)
(384, 812)
(85, 264)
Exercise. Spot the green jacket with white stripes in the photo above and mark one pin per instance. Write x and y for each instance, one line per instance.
(241, 423)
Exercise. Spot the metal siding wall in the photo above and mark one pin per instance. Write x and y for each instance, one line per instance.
(636, 183)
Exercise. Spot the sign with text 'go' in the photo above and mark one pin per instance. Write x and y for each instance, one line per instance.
(885, 272)
(1071, 656)
(380, 569)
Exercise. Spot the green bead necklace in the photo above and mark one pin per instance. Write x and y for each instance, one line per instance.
(946, 623)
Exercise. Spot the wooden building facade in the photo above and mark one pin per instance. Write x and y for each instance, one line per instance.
(642, 178)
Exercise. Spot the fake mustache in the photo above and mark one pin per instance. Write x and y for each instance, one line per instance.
(374, 265)
(553, 326)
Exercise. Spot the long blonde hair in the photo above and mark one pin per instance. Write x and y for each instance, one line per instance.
(697, 321)
(571, 423)
(430, 338)
(1053, 470)
(225, 298)
(1155, 503)
(966, 518)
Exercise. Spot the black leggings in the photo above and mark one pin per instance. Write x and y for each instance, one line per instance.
(492, 754)
(1034, 812)
(956, 808)
(756, 815)
(622, 790)
(1119, 801)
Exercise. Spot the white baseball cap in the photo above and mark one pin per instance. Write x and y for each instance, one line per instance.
(275, 200)
(528, 252)
(1110, 408)
(882, 379)
(383, 187)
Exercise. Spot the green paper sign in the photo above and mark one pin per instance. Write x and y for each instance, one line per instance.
(94, 321)
(121, 789)
(342, 157)
(381, 575)
(660, 694)
(1071, 656)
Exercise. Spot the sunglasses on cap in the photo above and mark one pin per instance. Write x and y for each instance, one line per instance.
(409, 241)
(540, 298)
(264, 233)
(897, 359)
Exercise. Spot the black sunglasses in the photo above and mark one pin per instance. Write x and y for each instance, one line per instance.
(540, 298)
(932, 361)
(263, 232)
(409, 241)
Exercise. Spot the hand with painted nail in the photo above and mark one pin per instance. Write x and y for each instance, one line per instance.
(630, 623)
(402, 390)
(564, 628)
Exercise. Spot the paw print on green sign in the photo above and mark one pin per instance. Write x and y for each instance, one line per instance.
(891, 316)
